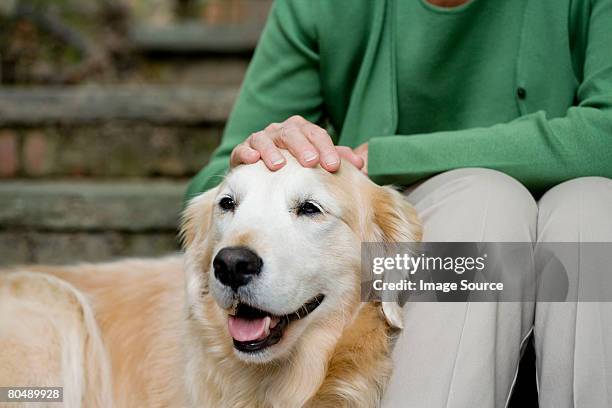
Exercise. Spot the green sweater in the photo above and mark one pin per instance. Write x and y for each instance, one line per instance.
(521, 86)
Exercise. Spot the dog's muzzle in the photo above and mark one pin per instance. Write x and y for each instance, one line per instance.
(254, 329)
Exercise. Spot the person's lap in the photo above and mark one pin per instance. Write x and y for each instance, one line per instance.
(467, 354)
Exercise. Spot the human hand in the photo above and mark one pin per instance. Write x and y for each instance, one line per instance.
(309, 143)
(362, 152)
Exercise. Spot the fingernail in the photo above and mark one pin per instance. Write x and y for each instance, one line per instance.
(330, 160)
(277, 159)
(309, 156)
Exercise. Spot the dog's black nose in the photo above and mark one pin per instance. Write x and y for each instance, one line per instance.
(236, 266)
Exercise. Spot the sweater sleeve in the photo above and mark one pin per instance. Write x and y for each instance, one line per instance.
(282, 80)
(538, 151)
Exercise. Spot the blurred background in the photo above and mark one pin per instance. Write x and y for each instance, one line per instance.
(107, 108)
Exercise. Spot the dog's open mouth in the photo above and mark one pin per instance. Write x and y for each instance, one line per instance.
(253, 329)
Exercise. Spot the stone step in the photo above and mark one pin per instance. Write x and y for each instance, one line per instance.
(113, 149)
(190, 38)
(189, 71)
(154, 104)
(18, 247)
(135, 206)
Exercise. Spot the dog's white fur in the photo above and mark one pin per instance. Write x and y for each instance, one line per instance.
(159, 339)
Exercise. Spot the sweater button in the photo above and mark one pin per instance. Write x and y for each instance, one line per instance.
(521, 92)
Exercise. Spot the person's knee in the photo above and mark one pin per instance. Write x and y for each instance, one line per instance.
(585, 193)
(476, 204)
(577, 210)
(569, 192)
(504, 194)
(492, 180)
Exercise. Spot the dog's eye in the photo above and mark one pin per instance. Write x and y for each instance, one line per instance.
(308, 208)
(227, 204)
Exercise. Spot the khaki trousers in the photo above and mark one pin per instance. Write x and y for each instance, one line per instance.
(460, 355)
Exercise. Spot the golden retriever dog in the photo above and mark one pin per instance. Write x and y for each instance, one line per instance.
(263, 309)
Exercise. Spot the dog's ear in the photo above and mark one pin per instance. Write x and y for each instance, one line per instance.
(393, 314)
(197, 217)
(395, 219)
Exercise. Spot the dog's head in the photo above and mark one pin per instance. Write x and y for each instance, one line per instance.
(279, 252)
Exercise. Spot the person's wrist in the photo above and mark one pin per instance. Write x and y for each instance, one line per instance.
(376, 157)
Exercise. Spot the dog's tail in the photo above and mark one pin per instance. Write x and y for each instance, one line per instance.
(49, 337)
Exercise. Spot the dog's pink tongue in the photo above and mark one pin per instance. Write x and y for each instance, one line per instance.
(248, 330)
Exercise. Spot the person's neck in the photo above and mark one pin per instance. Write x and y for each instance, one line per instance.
(447, 3)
